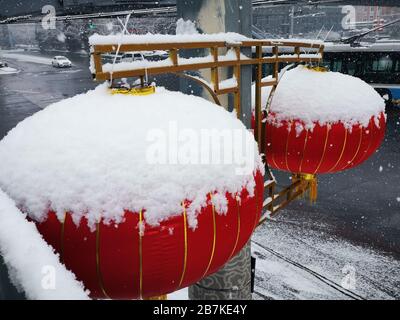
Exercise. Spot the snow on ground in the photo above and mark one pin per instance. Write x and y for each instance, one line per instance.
(27, 58)
(301, 259)
(32, 264)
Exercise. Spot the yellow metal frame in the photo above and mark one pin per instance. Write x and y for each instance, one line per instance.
(266, 52)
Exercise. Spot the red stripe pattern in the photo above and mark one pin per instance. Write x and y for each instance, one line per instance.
(117, 262)
(325, 149)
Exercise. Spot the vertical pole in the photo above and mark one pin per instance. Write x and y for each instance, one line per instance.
(233, 281)
(291, 22)
(5, 37)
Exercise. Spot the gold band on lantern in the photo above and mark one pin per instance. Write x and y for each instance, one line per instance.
(366, 150)
(98, 270)
(62, 235)
(341, 154)
(256, 198)
(287, 145)
(140, 255)
(185, 244)
(237, 231)
(323, 153)
(214, 238)
(358, 150)
(273, 160)
(161, 297)
(304, 151)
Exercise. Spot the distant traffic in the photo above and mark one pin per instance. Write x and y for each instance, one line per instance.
(376, 63)
(61, 62)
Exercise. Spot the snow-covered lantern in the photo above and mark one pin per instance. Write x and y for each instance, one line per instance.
(322, 122)
(128, 192)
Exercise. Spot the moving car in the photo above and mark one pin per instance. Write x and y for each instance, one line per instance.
(61, 62)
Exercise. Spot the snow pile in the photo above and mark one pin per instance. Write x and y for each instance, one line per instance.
(186, 27)
(27, 58)
(8, 70)
(322, 97)
(142, 64)
(32, 263)
(228, 83)
(97, 154)
(133, 65)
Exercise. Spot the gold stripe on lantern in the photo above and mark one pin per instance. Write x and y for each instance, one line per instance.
(358, 150)
(98, 269)
(140, 255)
(62, 235)
(185, 244)
(323, 153)
(341, 154)
(304, 151)
(238, 229)
(214, 238)
(287, 145)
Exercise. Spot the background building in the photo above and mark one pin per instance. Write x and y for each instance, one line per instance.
(298, 21)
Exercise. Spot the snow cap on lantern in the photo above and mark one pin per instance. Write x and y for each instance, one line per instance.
(322, 122)
(112, 185)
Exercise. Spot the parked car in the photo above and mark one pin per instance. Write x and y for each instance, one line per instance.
(61, 62)
(132, 56)
(156, 55)
(5, 69)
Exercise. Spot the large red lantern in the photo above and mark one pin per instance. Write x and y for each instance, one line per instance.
(126, 226)
(118, 262)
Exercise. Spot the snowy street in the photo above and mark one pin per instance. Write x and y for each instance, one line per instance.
(309, 250)
(298, 258)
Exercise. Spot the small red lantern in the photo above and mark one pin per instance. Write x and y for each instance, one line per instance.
(326, 148)
(321, 122)
(120, 262)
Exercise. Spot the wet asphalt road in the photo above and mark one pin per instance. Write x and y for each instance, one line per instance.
(362, 204)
